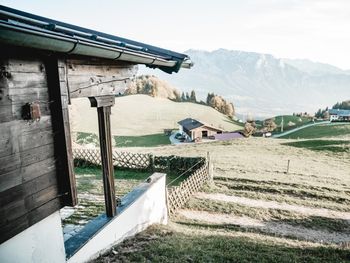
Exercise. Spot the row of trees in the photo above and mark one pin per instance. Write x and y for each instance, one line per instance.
(213, 100)
(185, 97)
(322, 114)
(344, 105)
(151, 85)
(250, 127)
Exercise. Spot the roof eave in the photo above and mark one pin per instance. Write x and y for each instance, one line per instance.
(85, 42)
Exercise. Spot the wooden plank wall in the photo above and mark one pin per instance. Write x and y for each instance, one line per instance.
(36, 164)
(28, 181)
(96, 77)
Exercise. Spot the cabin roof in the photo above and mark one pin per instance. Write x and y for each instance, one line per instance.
(191, 124)
(19, 28)
(339, 112)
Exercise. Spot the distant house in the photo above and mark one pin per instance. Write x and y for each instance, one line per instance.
(195, 130)
(339, 115)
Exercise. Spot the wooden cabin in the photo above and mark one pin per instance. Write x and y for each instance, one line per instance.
(195, 130)
(45, 64)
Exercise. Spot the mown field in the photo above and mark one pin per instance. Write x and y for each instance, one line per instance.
(254, 210)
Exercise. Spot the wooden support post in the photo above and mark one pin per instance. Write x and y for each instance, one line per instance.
(60, 124)
(103, 105)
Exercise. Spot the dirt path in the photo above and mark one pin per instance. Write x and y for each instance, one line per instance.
(275, 205)
(280, 229)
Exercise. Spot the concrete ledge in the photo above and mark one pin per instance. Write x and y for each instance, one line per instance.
(143, 206)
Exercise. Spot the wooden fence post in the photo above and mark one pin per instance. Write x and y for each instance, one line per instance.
(151, 163)
(210, 168)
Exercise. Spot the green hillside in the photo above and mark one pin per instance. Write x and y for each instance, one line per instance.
(321, 131)
(138, 115)
(290, 119)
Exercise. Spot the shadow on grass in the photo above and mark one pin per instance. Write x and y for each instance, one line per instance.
(273, 214)
(158, 244)
(335, 146)
(299, 193)
(260, 182)
(319, 222)
(150, 140)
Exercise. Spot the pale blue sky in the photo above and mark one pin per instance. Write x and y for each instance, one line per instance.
(315, 29)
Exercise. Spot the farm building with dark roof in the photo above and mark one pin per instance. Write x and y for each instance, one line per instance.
(195, 130)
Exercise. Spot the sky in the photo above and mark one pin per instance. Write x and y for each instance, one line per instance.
(318, 30)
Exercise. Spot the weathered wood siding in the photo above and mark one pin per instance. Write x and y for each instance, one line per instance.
(29, 181)
(36, 164)
(96, 77)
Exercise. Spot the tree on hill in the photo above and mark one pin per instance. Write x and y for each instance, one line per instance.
(187, 97)
(249, 128)
(269, 125)
(209, 97)
(152, 86)
(326, 115)
(318, 114)
(221, 105)
(193, 96)
(229, 110)
(177, 96)
(183, 97)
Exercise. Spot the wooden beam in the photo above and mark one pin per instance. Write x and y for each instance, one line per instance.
(60, 125)
(88, 77)
(104, 123)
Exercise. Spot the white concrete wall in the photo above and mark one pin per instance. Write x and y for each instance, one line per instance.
(42, 242)
(149, 208)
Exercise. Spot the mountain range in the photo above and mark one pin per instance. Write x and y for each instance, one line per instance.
(261, 84)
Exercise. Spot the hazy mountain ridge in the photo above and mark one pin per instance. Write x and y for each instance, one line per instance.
(260, 83)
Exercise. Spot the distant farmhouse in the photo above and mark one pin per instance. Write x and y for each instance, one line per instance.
(339, 115)
(195, 130)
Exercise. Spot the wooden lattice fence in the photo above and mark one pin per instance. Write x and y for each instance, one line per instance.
(120, 159)
(196, 170)
(178, 196)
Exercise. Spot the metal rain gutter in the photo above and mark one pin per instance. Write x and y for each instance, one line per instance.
(27, 37)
